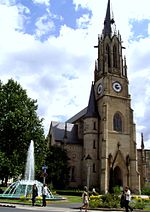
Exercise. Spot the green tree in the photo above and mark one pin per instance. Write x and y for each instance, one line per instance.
(58, 171)
(19, 124)
(4, 165)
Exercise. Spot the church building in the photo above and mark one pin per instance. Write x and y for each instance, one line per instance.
(101, 139)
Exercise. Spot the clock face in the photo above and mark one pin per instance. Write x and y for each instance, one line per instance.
(99, 88)
(117, 86)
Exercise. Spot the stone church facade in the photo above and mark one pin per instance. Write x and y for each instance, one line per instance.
(101, 139)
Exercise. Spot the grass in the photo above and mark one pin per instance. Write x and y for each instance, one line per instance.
(73, 199)
(68, 199)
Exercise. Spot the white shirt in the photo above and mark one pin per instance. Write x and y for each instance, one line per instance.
(128, 195)
(45, 190)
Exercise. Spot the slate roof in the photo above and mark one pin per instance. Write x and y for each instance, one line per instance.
(58, 131)
(92, 107)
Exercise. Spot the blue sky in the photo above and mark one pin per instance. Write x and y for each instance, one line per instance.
(139, 28)
(47, 46)
(51, 15)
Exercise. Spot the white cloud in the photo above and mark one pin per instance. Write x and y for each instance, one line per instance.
(44, 26)
(46, 2)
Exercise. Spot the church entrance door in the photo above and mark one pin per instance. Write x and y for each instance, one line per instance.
(118, 181)
(115, 178)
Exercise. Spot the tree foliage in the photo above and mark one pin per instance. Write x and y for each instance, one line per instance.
(19, 124)
(58, 171)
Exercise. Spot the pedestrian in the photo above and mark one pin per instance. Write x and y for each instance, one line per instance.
(44, 194)
(127, 194)
(34, 193)
(122, 200)
(85, 199)
(93, 191)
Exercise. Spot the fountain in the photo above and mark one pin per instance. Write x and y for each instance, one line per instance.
(23, 188)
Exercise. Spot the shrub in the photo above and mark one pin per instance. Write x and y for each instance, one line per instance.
(145, 191)
(117, 190)
(137, 204)
(96, 201)
(22, 198)
(105, 201)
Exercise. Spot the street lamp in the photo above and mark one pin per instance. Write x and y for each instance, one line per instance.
(88, 159)
(44, 167)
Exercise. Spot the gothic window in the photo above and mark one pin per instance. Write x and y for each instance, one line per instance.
(94, 127)
(94, 144)
(108, 55)
(117, 122)
(114, 56)
(72, 174)
(94, 168)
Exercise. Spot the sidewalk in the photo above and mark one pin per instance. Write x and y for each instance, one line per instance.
(62, 208)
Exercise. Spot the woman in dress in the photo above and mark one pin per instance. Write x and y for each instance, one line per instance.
(85, 198)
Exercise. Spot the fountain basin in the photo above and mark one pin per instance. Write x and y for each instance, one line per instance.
(23, 189)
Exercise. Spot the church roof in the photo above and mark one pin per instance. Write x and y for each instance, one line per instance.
(59, 130)
(77, 116)
(92, 107)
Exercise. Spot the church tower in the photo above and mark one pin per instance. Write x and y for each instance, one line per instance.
(116, 128)
(101, 139)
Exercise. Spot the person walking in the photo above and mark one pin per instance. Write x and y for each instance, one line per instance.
(122, 200)
(85, 199)
(34, 194)
(127, 194)
(44, 194)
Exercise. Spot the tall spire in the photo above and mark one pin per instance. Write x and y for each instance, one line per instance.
(92, 107)
(142, 141)
(108, 21)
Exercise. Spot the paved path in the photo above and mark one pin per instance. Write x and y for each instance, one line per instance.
(52, 208)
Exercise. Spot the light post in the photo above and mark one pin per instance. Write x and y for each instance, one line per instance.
(44, 167)
(88, 159)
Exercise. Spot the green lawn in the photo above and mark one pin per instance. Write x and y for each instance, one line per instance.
(68, 199)
(73, 199)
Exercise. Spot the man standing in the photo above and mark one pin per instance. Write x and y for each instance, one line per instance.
(44, 194)
(34, 194)
(127, 194)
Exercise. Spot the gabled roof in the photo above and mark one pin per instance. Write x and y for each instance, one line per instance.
(58, 130)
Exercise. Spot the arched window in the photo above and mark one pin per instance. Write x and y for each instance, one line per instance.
(108, 55)
(114, 56)
(117, 122)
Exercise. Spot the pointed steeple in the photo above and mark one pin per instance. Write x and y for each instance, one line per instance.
(108, 21)
(92, 107)
(65, 135)
(142, 141)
